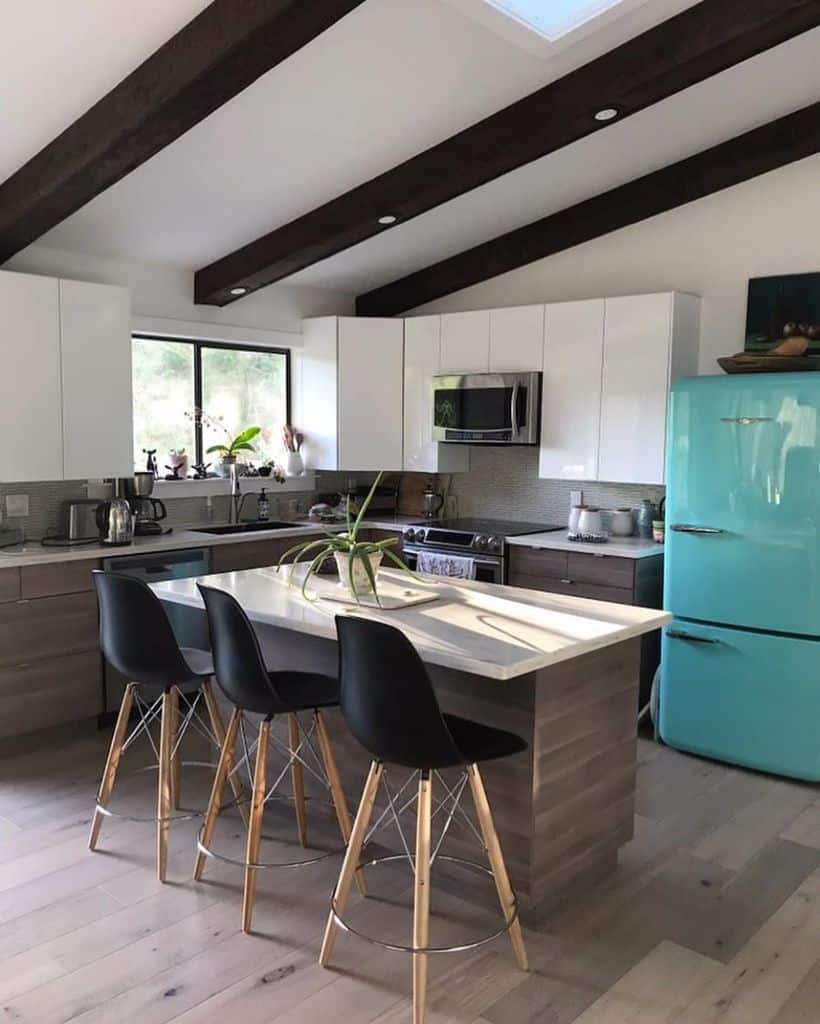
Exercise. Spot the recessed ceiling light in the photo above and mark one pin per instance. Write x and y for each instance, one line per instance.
(240, 290)
(388, 218)
(606, 114)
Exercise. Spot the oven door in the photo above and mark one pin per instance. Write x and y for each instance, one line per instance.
(487, 570)
(487, 408)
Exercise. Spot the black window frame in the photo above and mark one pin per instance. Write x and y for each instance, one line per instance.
(198, 345)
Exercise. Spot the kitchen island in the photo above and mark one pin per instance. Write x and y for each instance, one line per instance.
(560, 671)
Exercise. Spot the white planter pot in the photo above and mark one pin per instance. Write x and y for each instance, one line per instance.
(360, 577)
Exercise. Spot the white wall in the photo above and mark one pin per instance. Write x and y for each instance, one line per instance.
(166, 293)
(769, 225)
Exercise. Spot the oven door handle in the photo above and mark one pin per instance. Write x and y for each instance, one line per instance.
(514, 409)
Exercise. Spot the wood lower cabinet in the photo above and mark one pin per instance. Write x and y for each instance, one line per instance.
(375, 534)
(255, 554)
(50, 662)
(632, 581)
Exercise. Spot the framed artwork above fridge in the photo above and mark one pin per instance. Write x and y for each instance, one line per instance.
(783, 306)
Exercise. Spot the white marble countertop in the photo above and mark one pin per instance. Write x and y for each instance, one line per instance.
(619, 547)
(485, 629)
(34, 553)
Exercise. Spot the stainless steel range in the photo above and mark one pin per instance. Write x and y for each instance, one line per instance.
(479, 539)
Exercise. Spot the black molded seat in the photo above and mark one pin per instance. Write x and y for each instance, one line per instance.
(479, 742)
(137, 639)
(239, 666)
(391, 707)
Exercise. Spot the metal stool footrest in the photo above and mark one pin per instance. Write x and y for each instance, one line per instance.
(177, 815)
(398, 947)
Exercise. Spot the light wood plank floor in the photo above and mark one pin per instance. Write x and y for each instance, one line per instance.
(713, 915)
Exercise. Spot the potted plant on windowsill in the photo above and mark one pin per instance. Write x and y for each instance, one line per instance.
(357, 561)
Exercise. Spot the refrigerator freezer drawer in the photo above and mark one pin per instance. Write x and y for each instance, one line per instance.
(748, 698)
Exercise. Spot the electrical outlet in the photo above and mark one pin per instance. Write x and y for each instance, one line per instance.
(576, 497)
(16, 505)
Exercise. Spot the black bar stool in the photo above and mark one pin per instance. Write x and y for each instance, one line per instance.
(136, 639)
(390, 706)
(246, 682)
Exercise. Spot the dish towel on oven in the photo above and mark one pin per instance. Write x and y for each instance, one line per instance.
(434, 563)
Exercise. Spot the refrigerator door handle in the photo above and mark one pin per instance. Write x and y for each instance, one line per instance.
(692, 528)
(679, 634)
(746, 421)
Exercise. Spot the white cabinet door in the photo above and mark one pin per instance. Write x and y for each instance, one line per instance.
(571, 396)
(516, 339)
(422, 360)
(95, 341)
(30, 394)
(635, 388)
(465, 342)
(315, 365)
(371, 357)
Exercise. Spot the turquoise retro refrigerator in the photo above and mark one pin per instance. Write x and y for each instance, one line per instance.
(740, 672)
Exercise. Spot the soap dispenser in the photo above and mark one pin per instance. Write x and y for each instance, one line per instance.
(263, 507)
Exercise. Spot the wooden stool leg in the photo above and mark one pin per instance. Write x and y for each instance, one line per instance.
(255, 828)
(217, 789)
(164, 786)
(341, 893)
(176, 756)
(499, 868)
(112, 763)
(336, 791)
(218, 729)
(298, 779)
(421, 901)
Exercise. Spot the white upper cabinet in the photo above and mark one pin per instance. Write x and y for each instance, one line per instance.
(516, 339)
(422, 361)
(95, 342)
(608, 365)
(465, 342)
(351, 393)
(648, 341)
(30, 399)
(571, 392)
(371, 358)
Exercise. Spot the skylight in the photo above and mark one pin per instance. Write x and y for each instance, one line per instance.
(553, 18)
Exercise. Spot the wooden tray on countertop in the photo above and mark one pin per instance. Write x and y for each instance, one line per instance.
(751, 362)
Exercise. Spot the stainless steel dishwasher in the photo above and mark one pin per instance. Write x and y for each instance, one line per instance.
(189, 624)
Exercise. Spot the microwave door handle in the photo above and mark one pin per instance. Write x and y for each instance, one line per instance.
(514, 409)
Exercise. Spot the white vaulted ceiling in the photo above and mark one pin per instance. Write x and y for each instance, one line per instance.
(387, 81)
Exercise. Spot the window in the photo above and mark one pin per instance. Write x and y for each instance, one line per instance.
(238, 385)
(554, 18)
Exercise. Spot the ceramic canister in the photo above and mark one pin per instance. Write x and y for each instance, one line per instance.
(589, 522)
(622, 522)
(574, 515)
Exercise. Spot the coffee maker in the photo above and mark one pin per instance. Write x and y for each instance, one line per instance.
(149, 511)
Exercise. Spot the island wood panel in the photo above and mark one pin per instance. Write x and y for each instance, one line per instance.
(9, 585)
(562, 808)
(49, 692)
(58, 578)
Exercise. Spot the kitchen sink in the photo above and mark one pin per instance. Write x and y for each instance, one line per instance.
(246, 527)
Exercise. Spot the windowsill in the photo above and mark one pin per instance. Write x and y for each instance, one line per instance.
(168, 489)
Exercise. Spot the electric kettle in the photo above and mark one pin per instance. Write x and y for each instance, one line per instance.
(115, 521)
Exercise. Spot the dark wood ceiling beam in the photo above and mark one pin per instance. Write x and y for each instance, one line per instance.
(213, 58)
(686, 49)
(763, 149)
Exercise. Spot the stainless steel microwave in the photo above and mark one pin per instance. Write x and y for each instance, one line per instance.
(487, 408)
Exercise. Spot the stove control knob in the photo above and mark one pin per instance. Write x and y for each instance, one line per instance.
(494, 544)
(420, 536)
(410, 533)
(481, 543)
